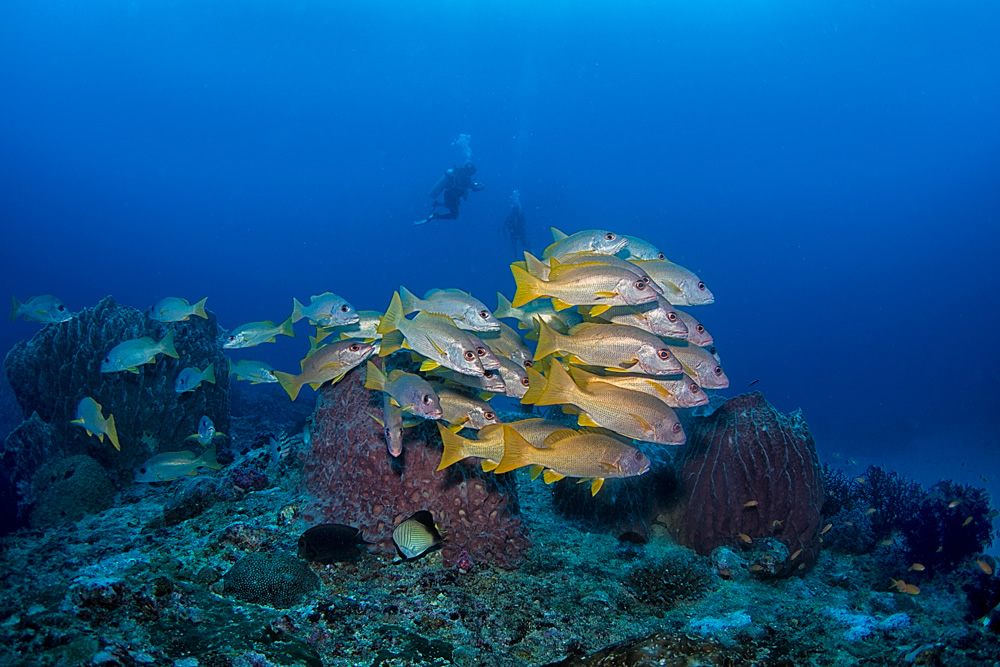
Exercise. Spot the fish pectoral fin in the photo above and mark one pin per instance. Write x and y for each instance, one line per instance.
(437, 347)
(604, 295)
(646, 426)
(552, 476)
(429, 365)
(535, 471)
(597, 310)
(377, 420)
(661, 391)
(393, 401)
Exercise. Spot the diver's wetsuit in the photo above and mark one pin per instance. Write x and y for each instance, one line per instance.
(513, 226)
(455, 185)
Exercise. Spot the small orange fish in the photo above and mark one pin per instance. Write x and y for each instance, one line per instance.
(904, 587)
(777, 523)
(756, 567)
(860, 480)
(869, 511)
(994, 514)
(912, 589)
(746, 539)
(796, 554)
(886, 542)
(826, 529)
(953, 503)
(848, 523)
(750, 503)
(967, 521)
(918, 567)
(985, 567)
(802, 565)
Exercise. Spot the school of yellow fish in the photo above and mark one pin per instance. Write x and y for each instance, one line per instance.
(612, 347)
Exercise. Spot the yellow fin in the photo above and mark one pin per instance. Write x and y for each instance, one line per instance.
(391, 342)
(559, 388)
(597, 310)
(552, 476)
(534, 471)
(559, 304)
(548, 341)
(489, 465)
(557, 436)
(529, 287)
(296, 311)
(454, 447)
(290, 383)
(596, 485)
(583, 419)
(646, 426)
(393, 315)
(375, 378)
(429, 365)
(536, 385)
(605, 295)
(517, 451)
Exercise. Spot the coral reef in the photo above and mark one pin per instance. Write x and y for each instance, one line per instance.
(61, 364)
(677, 577)
(356, 482)
(273, 579)
(69, 489)
(749, 472)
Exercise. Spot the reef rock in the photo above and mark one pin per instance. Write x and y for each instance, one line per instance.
(356, 482)
(61, 364)
(749, 471)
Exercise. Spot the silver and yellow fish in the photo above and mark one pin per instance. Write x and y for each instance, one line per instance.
(189, 378)
(434, 336)
(326, 309)
(176, 309)
(599, 241)
(171, 465)
(88, 416)
(255, 333)
(256, 372)
(131, 354)
(465, 310)
(45, 309)
(328, 362)
(616, 347)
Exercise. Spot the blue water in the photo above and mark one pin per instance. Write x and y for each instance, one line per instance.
(830, 169)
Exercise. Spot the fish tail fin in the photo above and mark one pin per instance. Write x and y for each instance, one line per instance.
(504, 307)
(296, 311)
(559, 388)
(232, 366)
(408, 300)
(15, 308)
(112, 432)
(529, 287)
(208, 459)
(454, 447)
(285, 328)
(199, 309)
(516, 451)
(375, 378)
(167, 344)
(536, 385)
(548, 340)
(209, 373)
(393, 315)
(289, 383)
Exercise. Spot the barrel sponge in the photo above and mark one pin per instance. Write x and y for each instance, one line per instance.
(69, 489)
(273, 579)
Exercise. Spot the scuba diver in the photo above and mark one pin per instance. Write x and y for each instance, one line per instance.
(455, 184)
(513, 224)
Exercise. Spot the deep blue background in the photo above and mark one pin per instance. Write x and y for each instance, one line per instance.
(830, 169)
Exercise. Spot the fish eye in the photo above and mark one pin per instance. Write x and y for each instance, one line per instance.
(107, 360)
(426, 399)
(672, 316)
(663, 354)
(661, 256)
(61, 307)
(355, 347)
(344, 308)
(490, 415)
(676, 428)
(701, 286)
(694, 388)
(485, 314)
(142, 471)
(232, 338)
(488, 374)
(638, 455)
(711, 350)
(609, 236)
(481, 351)
(470, 355)
(640, 284)
(528, 363)
(525, 381)
(718, 370)
(700, 328)
(388, 432)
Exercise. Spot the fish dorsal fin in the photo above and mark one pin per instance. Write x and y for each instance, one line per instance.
(558, 436)
(583, 327)
(395, 374)
(319, 296)
(432, 318)
(552, 476)
(557, 235)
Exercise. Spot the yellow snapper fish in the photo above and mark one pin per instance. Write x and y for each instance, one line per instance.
(434, 336)
(682, 393)
(392, 425)
(255, 333)
(631, 413)
(489, 442)
(459, 410)
(487, 357)
(568, 453)
(466, 311)
(189, 378)
(681, 287)
(411, 393)
(701, 365)
(88, 415)
(657, 317)
(45, 309)
(171, 465)
(593, 284)
(508, 343)
(638, 248)
(697, 333)
(543, 268)
(599, 241)
(617, 347)
(515, 378)
(525, 315)
(176, 309)
(329, 362)
(206, 432)
(256, 372)
(326, 309)
(489, 381)
(366, 328)
(131, 354)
